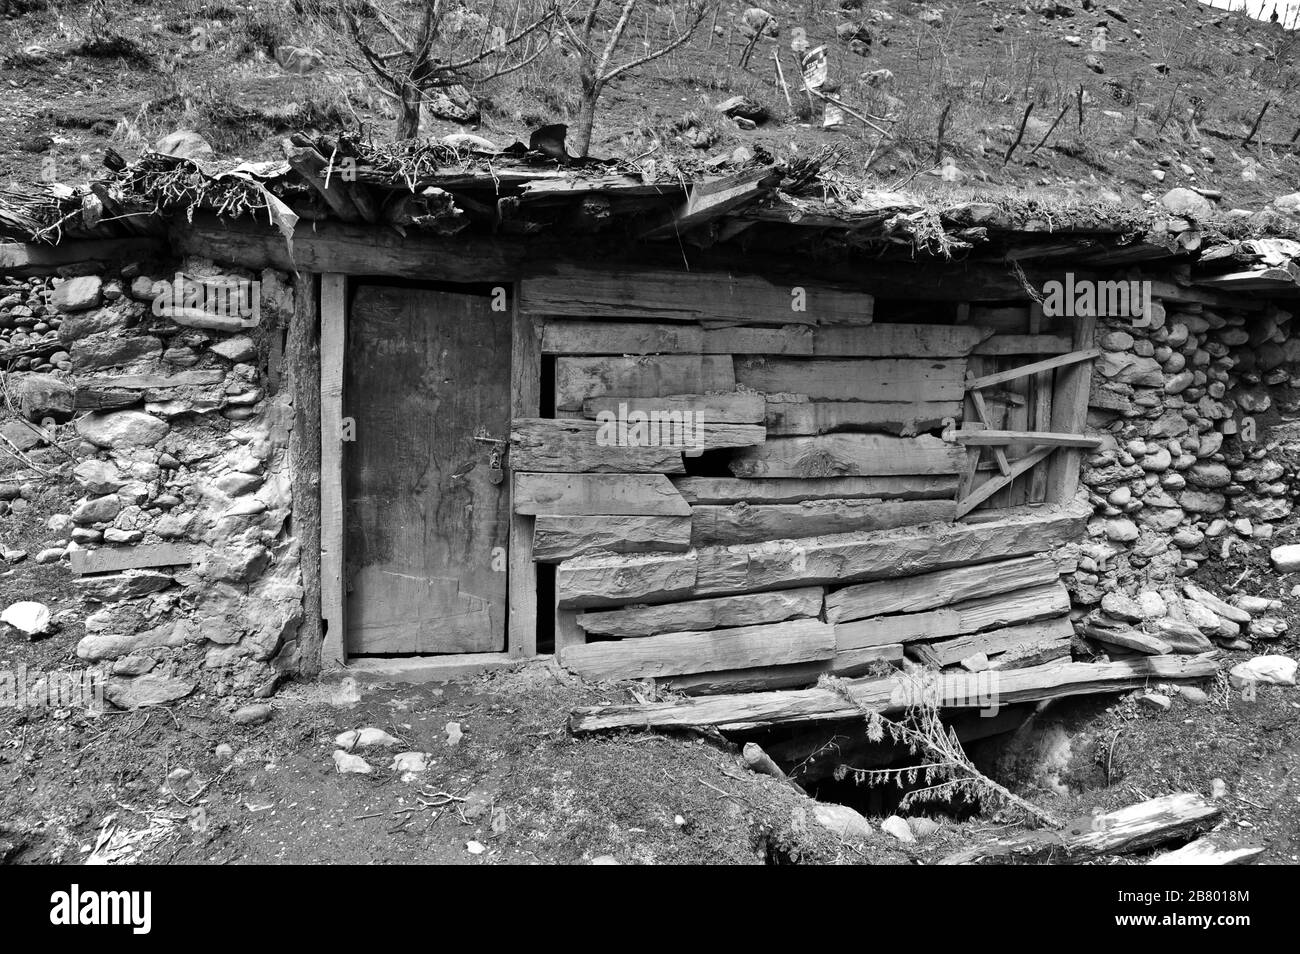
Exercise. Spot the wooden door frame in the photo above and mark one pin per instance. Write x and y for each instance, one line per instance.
(521, 599)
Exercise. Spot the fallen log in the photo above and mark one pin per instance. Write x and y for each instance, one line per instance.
(894, 694)
(1204, 852)
(1128, 829)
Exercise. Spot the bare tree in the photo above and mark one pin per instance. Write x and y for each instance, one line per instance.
(413, 48)
(596, 66)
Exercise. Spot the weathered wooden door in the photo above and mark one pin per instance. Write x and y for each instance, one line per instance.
(427, 378)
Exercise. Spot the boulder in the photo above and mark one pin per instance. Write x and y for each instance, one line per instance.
(1276, 670)
(841, 820)
(151, 689)
(78, 294)
(1187, 203)
(122, 429)
(30, 618)
(43, 395)
(1286, 558)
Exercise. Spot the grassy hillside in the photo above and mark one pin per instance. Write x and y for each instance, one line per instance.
(1168, 101)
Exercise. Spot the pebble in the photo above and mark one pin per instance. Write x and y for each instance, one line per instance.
(254, 714)
(347, 763)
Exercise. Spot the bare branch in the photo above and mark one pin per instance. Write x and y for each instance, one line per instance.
(666, 48)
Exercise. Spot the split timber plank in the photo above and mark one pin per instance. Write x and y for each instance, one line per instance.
(525, 402)
(748, 610)
(675, 654)
(610, 580)
(884, 554)
(112, 559)
(738, 407)
(765, 678)
(1133, 828)
(837, 558)
(873, 379)
(1006, 639)
(659, 295)
(1016, 345)
(1036, 367)
(787, 490)
(748, 523)
(893, 694)
(897, 341)
(987, 438)
(914, 594)
(302, 369)
(562, 538)
(577, 379)
(143, 382)
(48, 258)
(542, 445)
(848, 455)
(713, 198)
(560, 336)
(333, 344)
(1002, 610)
(579, 495)
(786, 339)
(1070, 414)
(810, 418)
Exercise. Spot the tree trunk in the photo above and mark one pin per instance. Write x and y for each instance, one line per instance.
(586, 118)
(410, 123)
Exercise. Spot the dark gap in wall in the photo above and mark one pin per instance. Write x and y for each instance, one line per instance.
(545, 607)
(546, 406)
(909, 311)
(714, 463)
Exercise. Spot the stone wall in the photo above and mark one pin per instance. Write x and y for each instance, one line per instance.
(1192, 469)
(181, 467)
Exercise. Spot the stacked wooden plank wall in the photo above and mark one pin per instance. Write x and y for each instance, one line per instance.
(818, 532)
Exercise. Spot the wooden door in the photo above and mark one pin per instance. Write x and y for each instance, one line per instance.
(426, 527)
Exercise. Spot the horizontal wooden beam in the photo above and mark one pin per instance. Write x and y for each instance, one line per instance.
(598, 494)
(675, 654)
(984, 438)
(894, 694)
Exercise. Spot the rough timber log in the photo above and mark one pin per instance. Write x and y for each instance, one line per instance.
(1015, 642)
(914, 594)
(1003, 609)
(881, 379)
(855, 662)
(579, 379)
(734, 408)
(848, 455)
(746, 523)
(885, 554)
(837, 558)
(561, 538)
(658, 295)
(807, 418)
(673, 654)
(894, 694)
(748, 610)
(788, 490)
(578, 495)
(571, 446)
(1128, 829)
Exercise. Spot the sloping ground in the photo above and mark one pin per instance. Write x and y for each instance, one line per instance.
(1168, 101)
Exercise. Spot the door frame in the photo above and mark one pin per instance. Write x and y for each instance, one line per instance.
(521, 585)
